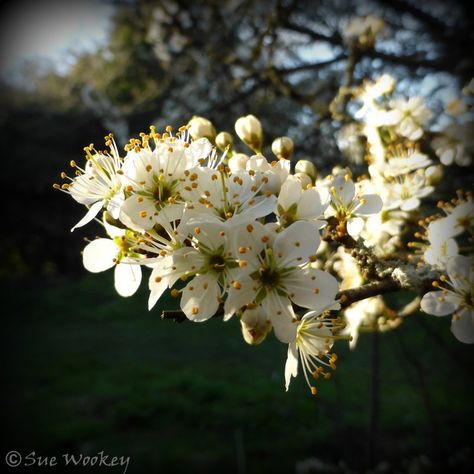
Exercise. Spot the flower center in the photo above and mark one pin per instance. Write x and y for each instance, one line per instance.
(269, 277)
(217, 262)
(162, 192)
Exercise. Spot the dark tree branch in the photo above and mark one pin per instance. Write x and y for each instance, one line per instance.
(414, 61)
(345, 297)
(311, 66)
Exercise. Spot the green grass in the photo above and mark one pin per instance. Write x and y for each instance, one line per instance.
(88, 371)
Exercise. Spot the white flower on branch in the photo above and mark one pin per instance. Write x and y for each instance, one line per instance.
(98, 185)
(455, 296)
(119, 252)
(295, 203)
(349, 206)
(455, 144)
(153, 177)
(276, 275)
(314, 339)
(408, 117)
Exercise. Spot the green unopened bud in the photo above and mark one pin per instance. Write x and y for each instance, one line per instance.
(283, 147)
(224, 140)
(304, 179)
(200, 127)
(249, 130)
(255, 326)
(307, 167)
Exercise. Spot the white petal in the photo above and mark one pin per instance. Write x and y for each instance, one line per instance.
(438, 303)
(91, 213)
(296, 243)
(170, 213)
(462, 326)
(157, 286)
(262, 208)
(346, 191)
(373, 204)
(138, 212)
(312, 288)
(198, 149)
(289, 193)
(239, 295)
(355, 226)
(127, 278)
(200, 298)
(99, 255)
(310, 206)
(459, 270)
(410, 204)
(246, 242)
(208, 233)
(282, 316)
(291, 366)
(113, 231)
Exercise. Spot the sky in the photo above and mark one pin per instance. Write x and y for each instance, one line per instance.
(50, 29)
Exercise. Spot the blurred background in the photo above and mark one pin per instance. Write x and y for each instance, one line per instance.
(87, 371)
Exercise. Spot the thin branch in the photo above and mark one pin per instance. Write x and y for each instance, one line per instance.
(311, 66)
(347, 297)
(414, 61)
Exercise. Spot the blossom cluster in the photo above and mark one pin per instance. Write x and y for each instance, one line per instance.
(227, 233)
(274, 243)
(401, 143)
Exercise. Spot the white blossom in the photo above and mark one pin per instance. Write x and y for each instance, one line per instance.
(455, 296)
(349, 206)
(455, 144)
(295, 203)
(99, 185)
(102, 254)
(275, 276)
(312, 344)
(408, 117)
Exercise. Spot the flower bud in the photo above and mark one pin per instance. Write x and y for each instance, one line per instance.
(305, 166)
(283, 147)
(224, 140)
(237, 162)
(304, 179)
(249, 130)
(255, 326)
(434, 174)
(200, 127)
